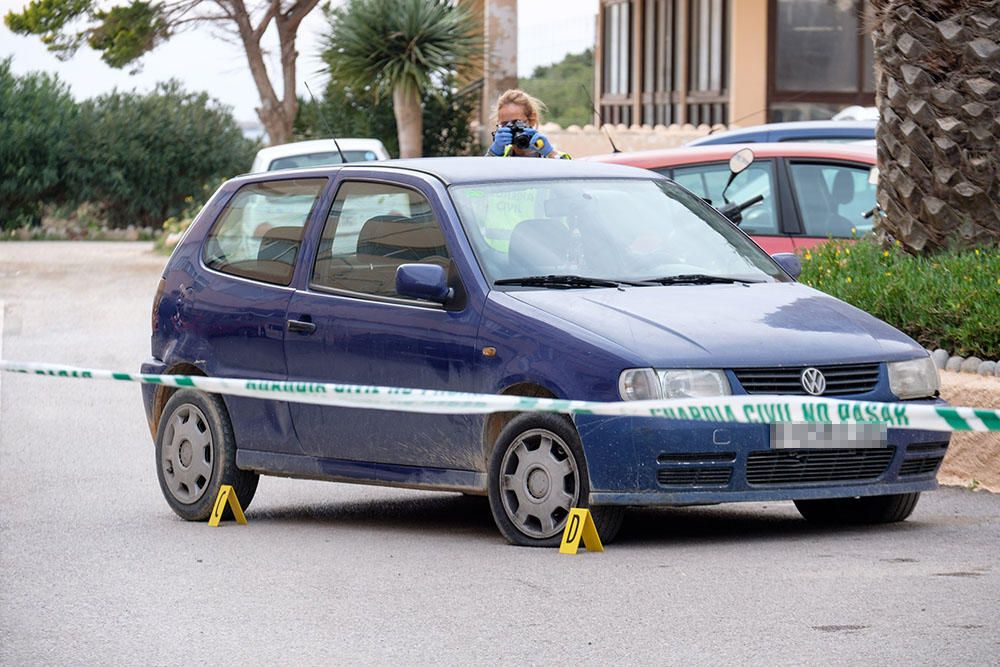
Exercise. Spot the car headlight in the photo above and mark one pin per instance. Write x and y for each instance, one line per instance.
(916, 378)
(644, 384)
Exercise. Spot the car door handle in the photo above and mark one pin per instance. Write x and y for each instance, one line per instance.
(298, 326)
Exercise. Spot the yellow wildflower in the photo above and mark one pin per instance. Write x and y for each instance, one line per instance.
(849, 279)
(808, 256)
(885, 253)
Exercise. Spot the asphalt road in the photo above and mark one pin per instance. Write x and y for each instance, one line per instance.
(96, 569)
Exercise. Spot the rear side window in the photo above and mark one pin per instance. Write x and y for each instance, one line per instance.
(832, 199)
(372, 229)
(259, 233)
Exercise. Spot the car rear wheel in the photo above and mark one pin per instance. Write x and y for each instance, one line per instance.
(196, 455)
(864, 510)
(537, 473)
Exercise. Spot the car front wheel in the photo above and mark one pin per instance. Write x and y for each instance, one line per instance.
(537, 473)
(864, 510)
(196, 455)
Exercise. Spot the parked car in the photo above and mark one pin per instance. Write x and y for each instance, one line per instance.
(811, 192)
(856, 112)
(538, 278)
(826, 131)
(318, 153)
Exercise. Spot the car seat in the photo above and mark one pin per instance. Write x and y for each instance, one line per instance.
(538, 246)
(843, 193)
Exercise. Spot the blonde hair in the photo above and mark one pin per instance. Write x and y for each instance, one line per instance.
(533, 107)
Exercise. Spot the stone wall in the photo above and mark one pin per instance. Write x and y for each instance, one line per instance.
(973, 459)
(589, 140)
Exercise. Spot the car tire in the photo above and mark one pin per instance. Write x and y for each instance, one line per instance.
(537, 473)
(864, 510)
(196, 455)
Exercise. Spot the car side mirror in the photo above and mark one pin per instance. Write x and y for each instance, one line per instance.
(790, 262)
(423, 281)
(738, 163)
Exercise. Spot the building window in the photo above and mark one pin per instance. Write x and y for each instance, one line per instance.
(822, 60)
(617, 63)
(678, 71)
(707, 71)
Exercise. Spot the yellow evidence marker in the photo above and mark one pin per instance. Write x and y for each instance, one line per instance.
(227, 495)
(580, 525)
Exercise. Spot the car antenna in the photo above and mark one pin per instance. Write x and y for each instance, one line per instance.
(343, 159)
(590, 98)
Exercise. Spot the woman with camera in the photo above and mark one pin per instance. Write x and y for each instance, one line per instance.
(518, 115)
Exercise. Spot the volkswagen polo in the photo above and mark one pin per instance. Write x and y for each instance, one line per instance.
(538, 278)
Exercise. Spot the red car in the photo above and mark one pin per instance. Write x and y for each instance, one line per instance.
(811, 192)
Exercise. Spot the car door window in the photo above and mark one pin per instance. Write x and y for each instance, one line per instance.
(372, 229)
(832, 198)
(258, 234)
(709, 180)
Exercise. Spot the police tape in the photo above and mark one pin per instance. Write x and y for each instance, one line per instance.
(756, 409)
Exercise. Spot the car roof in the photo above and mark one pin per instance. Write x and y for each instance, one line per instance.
(669, 157)
(797, 128)
(460, 170)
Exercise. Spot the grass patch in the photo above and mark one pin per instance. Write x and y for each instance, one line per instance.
(950, 300)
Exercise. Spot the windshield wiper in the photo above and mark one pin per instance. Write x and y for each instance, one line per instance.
(698, 279)
(565, 282)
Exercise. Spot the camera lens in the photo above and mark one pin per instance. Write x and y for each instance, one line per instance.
(522, 141)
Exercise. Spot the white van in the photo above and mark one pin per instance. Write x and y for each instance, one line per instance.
(317, 153)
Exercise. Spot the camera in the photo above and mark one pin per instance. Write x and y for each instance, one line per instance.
(517, 131)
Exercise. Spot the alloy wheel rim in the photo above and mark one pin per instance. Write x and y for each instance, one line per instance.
(539, 483)
(188, 454)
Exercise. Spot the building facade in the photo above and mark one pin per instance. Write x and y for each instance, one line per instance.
(660, 62)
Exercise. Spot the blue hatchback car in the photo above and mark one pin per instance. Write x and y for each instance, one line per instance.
(541, 278)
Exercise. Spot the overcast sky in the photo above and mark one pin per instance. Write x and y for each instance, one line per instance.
(201, 60)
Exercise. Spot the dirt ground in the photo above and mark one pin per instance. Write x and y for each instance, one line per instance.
(973, 458)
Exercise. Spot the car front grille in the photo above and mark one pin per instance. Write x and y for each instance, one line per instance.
(695, 468)
(923, 459)
(840, 380)
(811, 466)
(916, 467)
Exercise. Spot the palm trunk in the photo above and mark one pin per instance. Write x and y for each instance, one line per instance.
(409, 120)
(937, 66)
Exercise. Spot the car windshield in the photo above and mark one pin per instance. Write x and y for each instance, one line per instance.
(619, 230)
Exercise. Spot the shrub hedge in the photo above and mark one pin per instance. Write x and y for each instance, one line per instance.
(949, 300)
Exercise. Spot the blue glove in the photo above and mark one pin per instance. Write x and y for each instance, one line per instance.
(540, 144)
(501, 140)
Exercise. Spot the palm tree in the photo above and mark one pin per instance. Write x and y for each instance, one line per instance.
(937, 65)
(402, 46)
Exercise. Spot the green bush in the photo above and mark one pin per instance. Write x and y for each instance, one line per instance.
(950, 300)
(566, 88)
(37, 121)
(141, 156)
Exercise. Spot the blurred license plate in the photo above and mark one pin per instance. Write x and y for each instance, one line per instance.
(828, 436)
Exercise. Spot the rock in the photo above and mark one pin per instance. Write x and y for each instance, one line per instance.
(987, 368)
(970, 365)
(954, 364)
(940, 357)
(996, 371)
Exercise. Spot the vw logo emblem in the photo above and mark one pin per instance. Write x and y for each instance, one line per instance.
(813, 381)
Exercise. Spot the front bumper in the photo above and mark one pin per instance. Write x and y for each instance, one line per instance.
(650, 461)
